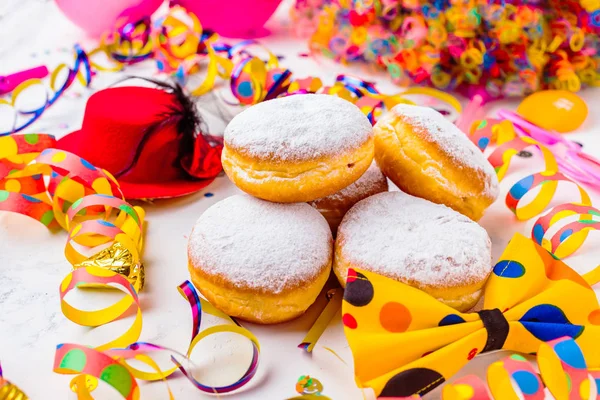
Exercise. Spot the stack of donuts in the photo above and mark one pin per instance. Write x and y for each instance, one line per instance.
(314, 169)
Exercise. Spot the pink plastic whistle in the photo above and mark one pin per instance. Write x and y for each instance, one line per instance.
(9, 82)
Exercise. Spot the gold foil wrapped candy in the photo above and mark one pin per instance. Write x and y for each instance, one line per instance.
(118, 259)
(8, 391)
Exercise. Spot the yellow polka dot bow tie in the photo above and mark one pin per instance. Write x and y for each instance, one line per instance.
(405, 342)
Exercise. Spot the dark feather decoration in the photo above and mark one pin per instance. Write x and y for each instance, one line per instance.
(189, 123)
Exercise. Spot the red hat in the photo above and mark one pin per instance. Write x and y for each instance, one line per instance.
(147, 138)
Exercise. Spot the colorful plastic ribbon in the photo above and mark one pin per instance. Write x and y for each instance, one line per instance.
(111, 366)
(571, 235)
(563, 371)
(405, 342)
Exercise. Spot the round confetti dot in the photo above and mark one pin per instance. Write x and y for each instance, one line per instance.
(87, 164)
(75, 230)
(31, 138)
(565, 234)
(245, 89)
(59, 157)
(520, 188)
(359, 291)
(451, 319)
(65, 283)
(106, 223)
(569, 352)
(76, 203)
(465, 391)
(74, 360)
(12, 185)
(30, 198)
(4, 195)
(47, 218)
(483, 142)
(209, 194)
(538, 233)
(129, 210)
(482, 124)
(349, 321)
(101, 185)
(527, 382)
(518, 357)
(394, 317)
(8, 148)
(118, 377)
(472, 354)
(584, 389)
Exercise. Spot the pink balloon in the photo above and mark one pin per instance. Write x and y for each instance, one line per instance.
(98, 16)
(232, 18)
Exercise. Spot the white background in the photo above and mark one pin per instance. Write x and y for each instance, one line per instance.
(32, 263)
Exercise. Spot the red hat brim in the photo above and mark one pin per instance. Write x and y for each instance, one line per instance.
(135, 191)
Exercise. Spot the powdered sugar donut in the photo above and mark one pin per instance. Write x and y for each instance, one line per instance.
(297, 148)
(427, 156)
(426, 245)
(260, 261)
(335, 206)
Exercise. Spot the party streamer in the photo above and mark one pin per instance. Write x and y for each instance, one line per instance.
(180, 47)
(60, 189)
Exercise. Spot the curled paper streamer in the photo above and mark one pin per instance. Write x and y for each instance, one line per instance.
(562, 369)
(405, 342)
(570, 236)
(111, 365)
(8, 391)
(334, 301)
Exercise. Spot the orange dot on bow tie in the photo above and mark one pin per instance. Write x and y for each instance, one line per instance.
(394, 317)
(594, 317)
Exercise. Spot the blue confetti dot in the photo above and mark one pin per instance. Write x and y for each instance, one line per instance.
(527, 382)
(521, 187)
(451, 319)
(483, 143)
(106, 223)
(509, 269)
(538, 233)
(245, 89)
(570, 353)
(565, 234)
(36, 177)
(31, 199)
(276, 77)
(87, 165)
(208, 194)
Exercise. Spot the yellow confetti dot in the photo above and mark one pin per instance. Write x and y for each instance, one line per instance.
(101, 186)
(584, 389)
(59, 157)
(75, 231)
(465, 391)
(8, 147)
(65, 283)
(12, 185)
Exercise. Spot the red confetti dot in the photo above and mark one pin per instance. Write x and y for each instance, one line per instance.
(472, 354)
(349, 321)
(351, 275)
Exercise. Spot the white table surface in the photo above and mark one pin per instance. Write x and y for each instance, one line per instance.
(32, 263)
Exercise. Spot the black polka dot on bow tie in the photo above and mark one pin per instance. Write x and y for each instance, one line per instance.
(359, 291)
(525, 154)
(412, 381)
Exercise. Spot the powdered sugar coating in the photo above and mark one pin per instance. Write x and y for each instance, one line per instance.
(261, 245)
(408, 238)
(299, 128)
(452, 141)
(371, 182)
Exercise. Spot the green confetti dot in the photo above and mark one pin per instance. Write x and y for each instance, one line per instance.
(594, 212)
(12, 171)
(31, 138)
(77, 203)
(129, 210)
(482, 124)
(568, 381)
(74, 360)
(47, 218)
(4, 195)
(118, 377)
(518, 357)
(588, 221)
